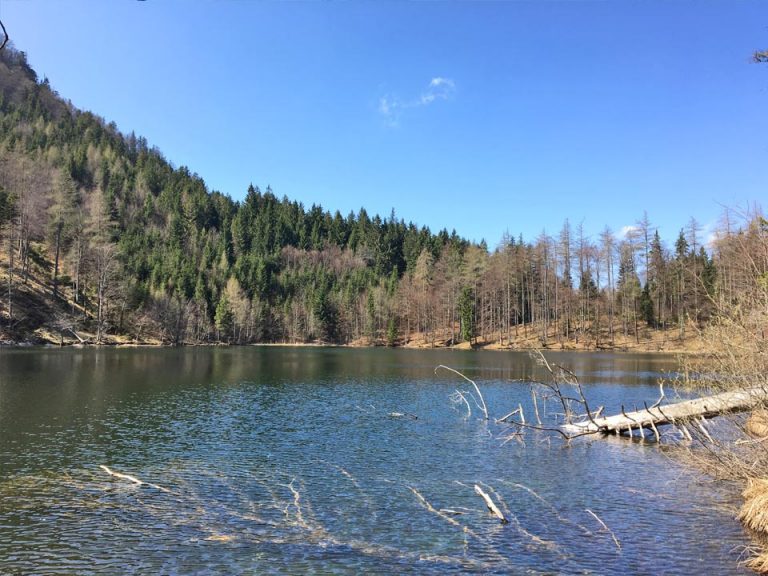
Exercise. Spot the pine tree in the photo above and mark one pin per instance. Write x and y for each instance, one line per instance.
(224, 318)
(467, 314)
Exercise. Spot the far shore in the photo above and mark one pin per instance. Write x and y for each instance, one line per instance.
(652, 342)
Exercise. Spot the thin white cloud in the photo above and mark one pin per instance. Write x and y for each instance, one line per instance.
(439, 89)
(627, 231)
(385, 107)
(440, 81)
(391, 107)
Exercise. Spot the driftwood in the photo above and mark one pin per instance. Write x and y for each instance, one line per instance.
(75, 334)
(132, 479)
(491, 505)
(403, 415)
(679, 413)
(121, 476)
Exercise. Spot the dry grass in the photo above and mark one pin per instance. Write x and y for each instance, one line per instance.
(737, 356)
(648, 340)
(754, 515)
(754, 512)
(757, 424)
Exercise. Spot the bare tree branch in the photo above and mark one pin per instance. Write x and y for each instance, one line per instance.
(5, 34)
(483, 407)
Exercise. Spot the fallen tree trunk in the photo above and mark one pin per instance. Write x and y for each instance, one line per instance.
(707, 407)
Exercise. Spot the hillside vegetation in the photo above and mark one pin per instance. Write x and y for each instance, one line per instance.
(102, 239)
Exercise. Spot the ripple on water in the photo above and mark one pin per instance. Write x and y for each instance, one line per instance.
(286, 461)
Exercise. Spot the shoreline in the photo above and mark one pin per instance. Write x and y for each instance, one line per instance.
(464, 347)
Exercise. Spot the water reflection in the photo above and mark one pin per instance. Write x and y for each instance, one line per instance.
(285, 460)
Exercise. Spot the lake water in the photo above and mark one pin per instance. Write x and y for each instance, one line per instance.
(286, 461)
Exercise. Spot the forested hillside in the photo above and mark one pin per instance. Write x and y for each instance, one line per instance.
(102, 236)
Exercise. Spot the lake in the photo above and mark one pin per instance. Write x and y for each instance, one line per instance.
(270, 460)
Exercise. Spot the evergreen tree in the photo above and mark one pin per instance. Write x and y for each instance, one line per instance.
(646, 306)
(467, 314)
(326, 316)
(391, 331)
(224, 319)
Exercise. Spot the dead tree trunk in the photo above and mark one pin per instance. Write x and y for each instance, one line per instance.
(707, 407)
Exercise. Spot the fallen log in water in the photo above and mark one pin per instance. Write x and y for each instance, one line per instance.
(678, 413)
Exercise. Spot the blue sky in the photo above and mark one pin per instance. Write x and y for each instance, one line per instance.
(482, 116)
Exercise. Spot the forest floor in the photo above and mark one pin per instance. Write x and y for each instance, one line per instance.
(528, 338)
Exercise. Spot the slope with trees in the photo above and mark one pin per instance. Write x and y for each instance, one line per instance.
(101, 235)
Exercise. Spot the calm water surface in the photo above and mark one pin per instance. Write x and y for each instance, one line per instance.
(286, 461)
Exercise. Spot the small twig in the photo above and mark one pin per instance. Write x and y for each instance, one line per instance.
(461, 396)
(425, 503)
(625, 415)
(505, 417)
(661, 396)
(132, 479)
(596, 517)
(548, 505)
(655, 431)
(535, 406)
(704, 430)
(121, 476)
(558, 430)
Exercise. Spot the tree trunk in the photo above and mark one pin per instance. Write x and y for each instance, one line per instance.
(56, 261)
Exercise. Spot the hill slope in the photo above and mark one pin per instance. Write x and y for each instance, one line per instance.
(102, 223)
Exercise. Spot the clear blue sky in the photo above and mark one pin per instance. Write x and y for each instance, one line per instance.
(482, 117)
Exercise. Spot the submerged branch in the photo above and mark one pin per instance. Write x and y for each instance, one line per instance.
(477, 389)
(490, 504)
(596, 517)
(132, 479)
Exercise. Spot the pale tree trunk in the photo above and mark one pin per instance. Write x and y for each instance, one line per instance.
(56, 261)
(10, 274)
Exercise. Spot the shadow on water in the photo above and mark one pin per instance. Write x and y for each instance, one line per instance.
(275, 460)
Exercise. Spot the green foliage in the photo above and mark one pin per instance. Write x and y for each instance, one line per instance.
(391, 331)
(646, 306)
(708, 272)
(7, 206)
(467, 314)
(326, 316)
(224, 318)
